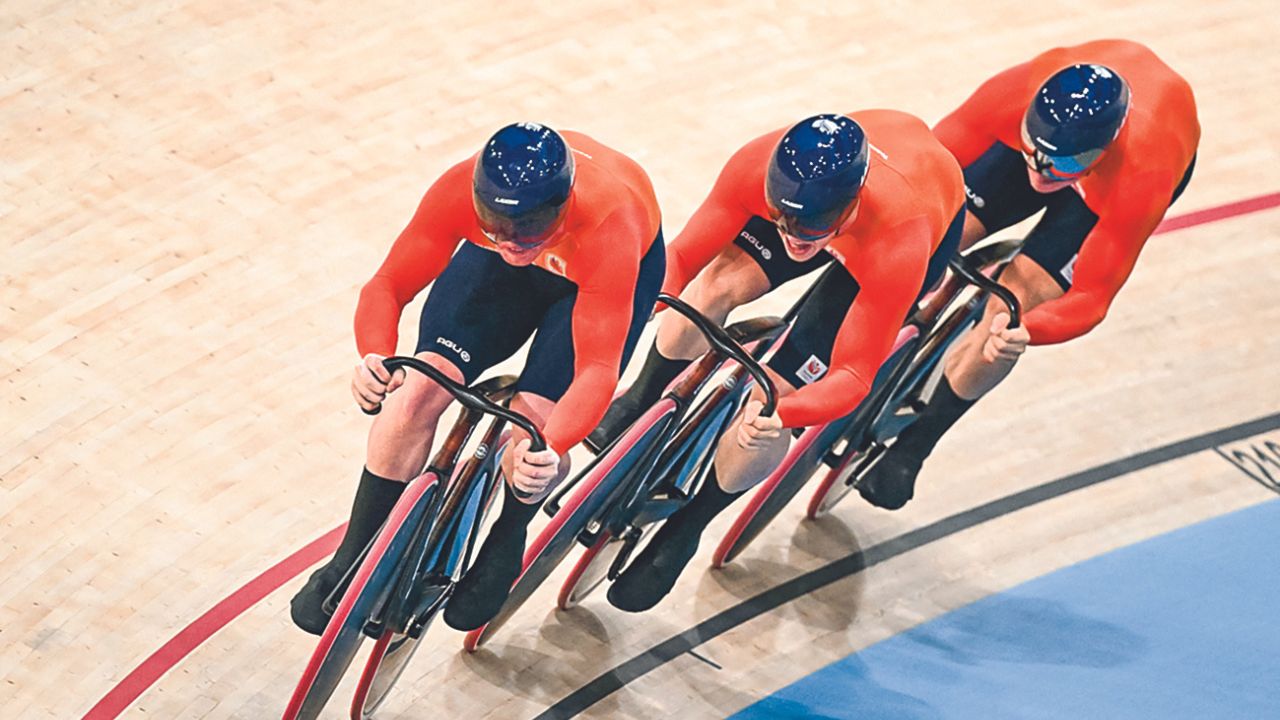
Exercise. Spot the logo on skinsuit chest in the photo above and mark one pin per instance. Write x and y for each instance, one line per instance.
(556, 264)
(811, 370)
(755, 243)
(1068, 271)
(446, 342)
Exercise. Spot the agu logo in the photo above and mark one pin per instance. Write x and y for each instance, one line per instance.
(977, 199)
(755, 243)
(811, 370)
(446, 342)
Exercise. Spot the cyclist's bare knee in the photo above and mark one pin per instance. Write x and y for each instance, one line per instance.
(740, 468)
(420, 400)
(733, 278)
(967, 370)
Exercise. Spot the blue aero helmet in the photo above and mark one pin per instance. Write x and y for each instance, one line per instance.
(1072, 119)
(521, 184)
(815, 174)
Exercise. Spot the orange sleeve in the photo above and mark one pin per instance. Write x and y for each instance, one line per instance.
(971, 128)
(601, 320)
(1106, 260)
(715, 223)
(889, 280)
(417, 257)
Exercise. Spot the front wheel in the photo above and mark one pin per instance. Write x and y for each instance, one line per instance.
(804, 457)
(589, 572)
(834, 487)
(593, 567)
(345, 631)
(585, 503)
(390, 656)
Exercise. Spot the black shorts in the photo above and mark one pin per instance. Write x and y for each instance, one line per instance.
(999, 195)
(760, 240)
(805, 355)
(481, 310)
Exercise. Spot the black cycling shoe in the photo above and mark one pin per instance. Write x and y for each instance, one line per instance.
(890, 483)
(307, 607)
(654, 572)
(620, 415)
(482, 592)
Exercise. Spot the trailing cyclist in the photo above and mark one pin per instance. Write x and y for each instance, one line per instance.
(1102, 137)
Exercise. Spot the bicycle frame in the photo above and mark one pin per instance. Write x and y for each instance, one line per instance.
(422, 546)
(617, 485)
(938, 320)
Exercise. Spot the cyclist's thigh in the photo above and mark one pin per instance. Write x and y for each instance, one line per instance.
(805, 354)
(549, 368)
(1055, 241)
(478, 312)
(760, 240)
(998, 192)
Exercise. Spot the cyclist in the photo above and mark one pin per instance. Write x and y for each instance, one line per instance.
(1103, 137)
(873, 194)
(560, 240)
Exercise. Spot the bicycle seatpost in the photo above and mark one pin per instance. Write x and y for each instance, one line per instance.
(722, 343)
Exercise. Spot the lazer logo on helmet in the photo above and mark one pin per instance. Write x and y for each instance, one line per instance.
(814, 176)
(521, 184)
(446, 342)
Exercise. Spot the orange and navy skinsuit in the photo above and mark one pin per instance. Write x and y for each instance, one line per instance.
(911, 197)
(1120, 201)
(609, 232)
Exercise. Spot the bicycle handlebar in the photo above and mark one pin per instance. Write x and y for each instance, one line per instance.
(722, 343)
(974, 277)
(467, 397)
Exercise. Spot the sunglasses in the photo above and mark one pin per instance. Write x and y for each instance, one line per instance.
(811, 229)
(1060, 168)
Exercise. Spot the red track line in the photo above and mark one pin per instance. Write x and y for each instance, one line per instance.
(172, 652)
(1221, 212)
(217, 617)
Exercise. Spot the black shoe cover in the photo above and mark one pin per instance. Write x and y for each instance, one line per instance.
(654, 572)
(617, 419)
(306, 608)
(892, 481)
(484, 589)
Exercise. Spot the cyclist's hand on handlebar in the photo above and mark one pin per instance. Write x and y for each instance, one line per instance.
(371, 382)
(1003, 343)
(755, 431)
(532, 472)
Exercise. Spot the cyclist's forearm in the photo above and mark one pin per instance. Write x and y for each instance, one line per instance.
(377, 318)
(832, 397)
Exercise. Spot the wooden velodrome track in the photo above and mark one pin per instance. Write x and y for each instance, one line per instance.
(192, 193)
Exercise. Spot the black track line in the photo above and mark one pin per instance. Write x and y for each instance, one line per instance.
(716, 625)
